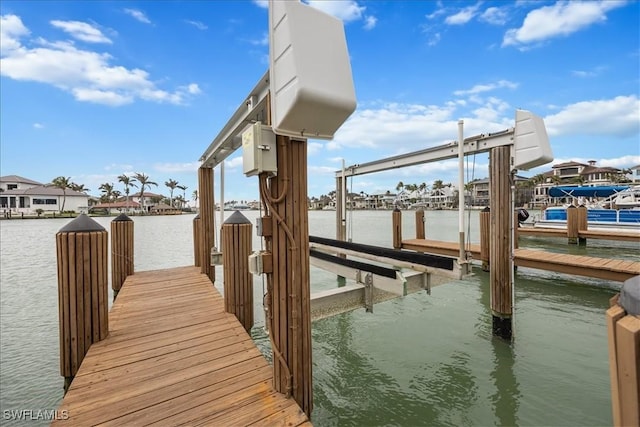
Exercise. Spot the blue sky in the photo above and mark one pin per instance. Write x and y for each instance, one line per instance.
(92, 90)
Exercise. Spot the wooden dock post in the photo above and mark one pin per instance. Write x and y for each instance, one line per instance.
(197, 224)
(397, 228)
(207, 224)
(583, 224)
(238, 280)
(572, 225)
(500, 241)
(121, 251)
(289, 299)
(420, 225)
(623, 330)
(485, 227)
(82, 254)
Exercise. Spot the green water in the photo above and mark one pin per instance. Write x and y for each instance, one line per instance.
(417, 360)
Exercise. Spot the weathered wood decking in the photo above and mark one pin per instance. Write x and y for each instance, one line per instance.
(601, 268)
(173, 356)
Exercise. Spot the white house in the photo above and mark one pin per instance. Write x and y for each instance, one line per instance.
(23, 195)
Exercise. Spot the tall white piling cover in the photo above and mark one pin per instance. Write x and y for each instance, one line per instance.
(310, 78)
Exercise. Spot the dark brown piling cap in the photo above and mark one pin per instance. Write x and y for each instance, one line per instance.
(122, 217)
(197, 216)
(237, 218)
(82, 223)
(487, 209)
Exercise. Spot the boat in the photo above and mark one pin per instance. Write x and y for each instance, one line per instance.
(627, 199)
(608, 207)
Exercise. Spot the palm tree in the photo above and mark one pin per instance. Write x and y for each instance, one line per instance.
(179, 201)
(127, 181)
(195, 198)
(144, 182)
(437, 184)
(80, 188)
(63, 183)
(172, 184)
(184, 192)
(107, 193)
(400, 186)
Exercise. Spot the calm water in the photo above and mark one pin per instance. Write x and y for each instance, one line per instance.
(417, 360)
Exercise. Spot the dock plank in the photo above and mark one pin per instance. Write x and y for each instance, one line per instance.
(578, 265)
(174, 356)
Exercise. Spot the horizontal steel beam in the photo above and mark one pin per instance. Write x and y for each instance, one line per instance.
(254, 108)
(472, 145)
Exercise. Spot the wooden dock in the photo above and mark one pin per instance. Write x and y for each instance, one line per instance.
(601, 268)
(173, 356)
(625, 236)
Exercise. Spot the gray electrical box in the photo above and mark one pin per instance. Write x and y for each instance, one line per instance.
(259, 150)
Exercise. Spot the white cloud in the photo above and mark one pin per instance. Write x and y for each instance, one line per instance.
(90, 76)
(262, 3)
(193, 89)
(314, 148)
(440, 10)
(615, 117)
(199, 25)
(370, 22)
(98, 96)
(139, 15)
(11, 30)
(82, 31)
(494, 15)
(346, 10)
(621, 162)
(262, 41)
(38, 125)
(588, 73)
(176, 167)
(119, 167)
(487, 87)
(233, 163)
(561, 19)
(463, 16)
(618, 162)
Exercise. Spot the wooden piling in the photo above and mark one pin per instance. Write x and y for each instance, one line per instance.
(572, 225)
(121, 251)
(238, 280)
(583, 224)
(500, 241)
(207, 224)
(82, 253)
(623, 330)
(485, 227)
(288, 298)
(197, 224)
(420, 225)
(397, 228)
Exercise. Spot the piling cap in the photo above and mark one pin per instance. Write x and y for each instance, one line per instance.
(82, 223)
(122, 217)
(630, 296)
(237, 218)
(197, 216)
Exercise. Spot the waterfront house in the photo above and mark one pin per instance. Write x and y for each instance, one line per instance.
(23, 195)
(575, 173)
(147, 200)
(634, 174)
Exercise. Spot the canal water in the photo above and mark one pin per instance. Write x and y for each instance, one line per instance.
(417, 360)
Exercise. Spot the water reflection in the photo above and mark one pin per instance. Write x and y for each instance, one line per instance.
(507, 394)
